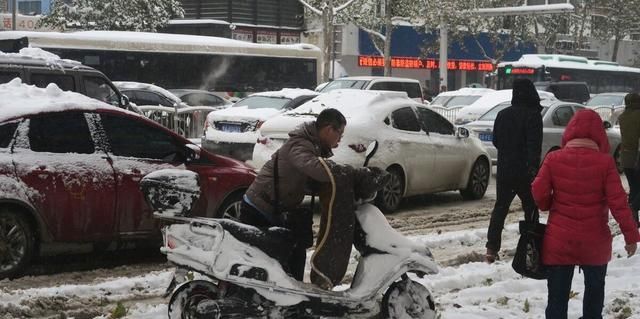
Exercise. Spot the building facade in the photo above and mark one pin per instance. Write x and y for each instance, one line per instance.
(258, 21)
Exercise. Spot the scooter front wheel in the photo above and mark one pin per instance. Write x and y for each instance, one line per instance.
(408, 299)
(186, 298)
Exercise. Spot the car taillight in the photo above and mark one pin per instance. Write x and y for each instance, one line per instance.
(263, 140)
(358, 148)
(259, 124)
(170, 242)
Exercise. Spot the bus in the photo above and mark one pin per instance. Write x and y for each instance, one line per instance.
(600, 76)
(176, 61)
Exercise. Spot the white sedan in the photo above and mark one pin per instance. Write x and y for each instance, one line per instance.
(420, 148)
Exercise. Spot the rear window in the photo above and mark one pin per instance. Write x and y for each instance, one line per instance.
(462, 100)
(413, 90)
(64, 82)
(6, 133)
(6, 76)
(263, 102)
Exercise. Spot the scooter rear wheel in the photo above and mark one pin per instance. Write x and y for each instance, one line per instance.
(185, 300)
(408, 299)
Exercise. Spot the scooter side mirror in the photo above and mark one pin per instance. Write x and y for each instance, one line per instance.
(371, 150)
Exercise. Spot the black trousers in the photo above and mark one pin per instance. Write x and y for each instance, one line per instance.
(296, 263)
(559, 287)
(506, 191)
(633, 178)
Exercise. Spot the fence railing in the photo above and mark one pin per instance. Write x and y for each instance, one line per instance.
(188, 121)
(447, 112)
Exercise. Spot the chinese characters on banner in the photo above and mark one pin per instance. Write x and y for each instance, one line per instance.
(267, 36)
(23, 23)
(245, 35)
(289, 37)
(415, 63)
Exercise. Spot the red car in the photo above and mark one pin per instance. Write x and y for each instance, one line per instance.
(71, 173)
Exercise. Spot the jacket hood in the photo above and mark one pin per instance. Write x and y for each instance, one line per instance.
(586, 124)
(309, 132)
(525, 94)
(632, 101)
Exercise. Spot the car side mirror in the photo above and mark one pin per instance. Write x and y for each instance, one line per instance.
(124, 101)
(607, 125)
(462, 132)
(192, 152)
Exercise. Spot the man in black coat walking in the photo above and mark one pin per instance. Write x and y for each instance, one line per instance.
(517, 135)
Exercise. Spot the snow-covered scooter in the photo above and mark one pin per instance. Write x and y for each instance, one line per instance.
(225, 269)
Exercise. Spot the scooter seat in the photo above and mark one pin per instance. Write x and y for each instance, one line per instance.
(276, 242)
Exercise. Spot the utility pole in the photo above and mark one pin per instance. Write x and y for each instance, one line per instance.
(444, 45)
(14, 10)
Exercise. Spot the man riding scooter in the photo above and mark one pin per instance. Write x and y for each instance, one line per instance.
(274, 197)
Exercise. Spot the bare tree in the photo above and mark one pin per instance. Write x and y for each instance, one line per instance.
(328, 11)
(615, 19)
(378, 16)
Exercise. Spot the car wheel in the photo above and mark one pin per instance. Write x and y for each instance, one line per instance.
(390, 196)
(16, 243)
(230, 208)
(478, 180)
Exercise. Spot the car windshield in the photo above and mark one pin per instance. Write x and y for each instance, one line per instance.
(606, 100)
(440, 100)
(263, 102)
(462, 100)
(491, 115)
(344, 84)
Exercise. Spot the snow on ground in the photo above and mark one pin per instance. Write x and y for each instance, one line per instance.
(469, 290)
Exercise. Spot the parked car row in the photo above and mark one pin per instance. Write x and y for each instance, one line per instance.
(70, 168)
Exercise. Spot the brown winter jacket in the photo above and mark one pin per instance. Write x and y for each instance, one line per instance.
(297, 164)
(630, 130)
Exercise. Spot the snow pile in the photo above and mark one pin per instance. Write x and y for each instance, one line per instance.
(471, 290)
(19, 99)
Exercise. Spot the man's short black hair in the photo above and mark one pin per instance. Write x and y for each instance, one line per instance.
(331, 117)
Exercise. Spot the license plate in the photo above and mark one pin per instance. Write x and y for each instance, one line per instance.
(233, 128)
(486, 137)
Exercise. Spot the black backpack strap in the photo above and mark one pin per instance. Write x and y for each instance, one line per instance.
(276, 189)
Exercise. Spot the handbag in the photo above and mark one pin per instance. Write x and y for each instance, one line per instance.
(527, 260)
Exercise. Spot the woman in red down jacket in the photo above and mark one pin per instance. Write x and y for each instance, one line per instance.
(578, 185)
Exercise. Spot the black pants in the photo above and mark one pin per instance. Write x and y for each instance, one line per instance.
(296, 263)
(633, 178)
(559, 287)
(505, 193)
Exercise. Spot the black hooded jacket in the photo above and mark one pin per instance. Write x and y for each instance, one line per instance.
(517, 133)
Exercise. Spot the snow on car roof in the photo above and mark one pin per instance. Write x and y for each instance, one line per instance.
(126, 85)
(19, 99)
(351, 102)
(286, 93)
(40, 54)
(467, 91)
(369, 78)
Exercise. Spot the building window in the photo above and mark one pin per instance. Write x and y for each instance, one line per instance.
(30, 7)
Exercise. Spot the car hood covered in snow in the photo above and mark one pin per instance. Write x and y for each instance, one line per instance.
(473, 111)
